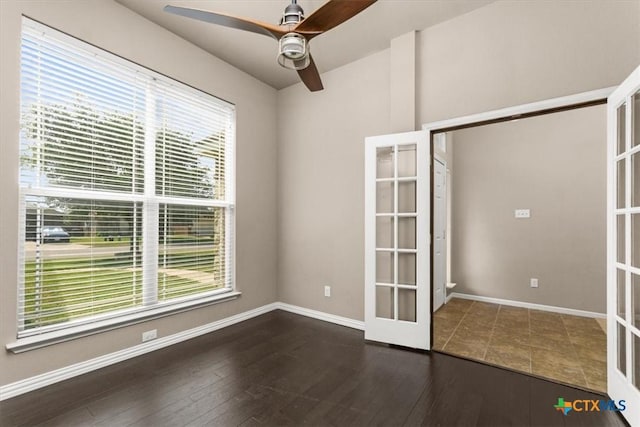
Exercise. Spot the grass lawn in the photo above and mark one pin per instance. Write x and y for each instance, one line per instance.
(77, 287)
(100, 241)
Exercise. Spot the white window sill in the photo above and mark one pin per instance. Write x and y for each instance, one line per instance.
(67, 334)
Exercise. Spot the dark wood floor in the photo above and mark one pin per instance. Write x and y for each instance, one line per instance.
(284, 369)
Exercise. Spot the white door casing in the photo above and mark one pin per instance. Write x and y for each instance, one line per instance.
(623, 246)
(397, 243)
(439, 233)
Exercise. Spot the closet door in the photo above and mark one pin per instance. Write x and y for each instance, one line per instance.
(397, 257)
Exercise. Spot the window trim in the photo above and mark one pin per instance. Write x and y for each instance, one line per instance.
(52, 334)
(137, 315)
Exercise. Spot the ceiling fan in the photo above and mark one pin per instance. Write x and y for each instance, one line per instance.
(293, 33)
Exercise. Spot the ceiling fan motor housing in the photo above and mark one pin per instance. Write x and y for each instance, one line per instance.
(293, 14)
(293, 52)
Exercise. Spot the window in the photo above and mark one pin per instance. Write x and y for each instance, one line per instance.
(126, 189)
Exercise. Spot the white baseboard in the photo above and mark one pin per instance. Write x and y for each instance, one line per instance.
(29, 384)
(33, 383)
(552, 308)
(320, 315)
(51, 377)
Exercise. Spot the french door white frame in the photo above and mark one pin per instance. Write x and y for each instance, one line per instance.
(391, 325)
(620, 384)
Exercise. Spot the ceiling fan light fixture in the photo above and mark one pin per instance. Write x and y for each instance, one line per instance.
(293, 52)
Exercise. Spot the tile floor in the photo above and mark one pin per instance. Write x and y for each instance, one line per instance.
(569, 349)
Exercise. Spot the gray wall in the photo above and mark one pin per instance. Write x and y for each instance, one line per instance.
(117, 29)
(503, 54)
(555, 166)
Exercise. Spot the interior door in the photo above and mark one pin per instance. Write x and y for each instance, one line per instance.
(397, 257)
(623, 246)
(439, 233)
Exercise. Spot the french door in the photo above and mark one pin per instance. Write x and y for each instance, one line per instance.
(397, 257)
(623, 246)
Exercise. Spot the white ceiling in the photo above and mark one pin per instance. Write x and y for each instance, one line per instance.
(366, 33)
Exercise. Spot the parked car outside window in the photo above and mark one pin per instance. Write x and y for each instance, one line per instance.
(54, 234)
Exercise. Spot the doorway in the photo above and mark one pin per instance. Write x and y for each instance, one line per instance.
(514, 253)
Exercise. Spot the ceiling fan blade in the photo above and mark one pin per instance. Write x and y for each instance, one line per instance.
(331, 14)
(310, 76)
(229, 21)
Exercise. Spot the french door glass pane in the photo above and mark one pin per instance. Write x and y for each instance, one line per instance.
(636, 119)
(396, 171)
(620, 294)
(620, 239)
(635, 240)
(622, 348)
(407, 232)
(406, 268)
(635, 359)
(384, 267)
(385, 302)
(406, 160)
(384, 163)
(620, 197)
(406, 197)
(622, 118)
(407, 305)
(384, 197)
(384, 232)
(635, 178)
(635, 298)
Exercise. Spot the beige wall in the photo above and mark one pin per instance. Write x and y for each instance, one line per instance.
(513, 52)
(503, 54)
(321, 187)
(553, 165)
(115, 28)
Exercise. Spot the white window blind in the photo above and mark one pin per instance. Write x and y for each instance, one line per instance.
(126, 178)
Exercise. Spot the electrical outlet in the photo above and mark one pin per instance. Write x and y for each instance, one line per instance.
(150, 335)
(327, 291)
(534, 283)
(522, 213)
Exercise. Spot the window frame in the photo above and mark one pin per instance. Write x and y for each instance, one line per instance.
(50, 334)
